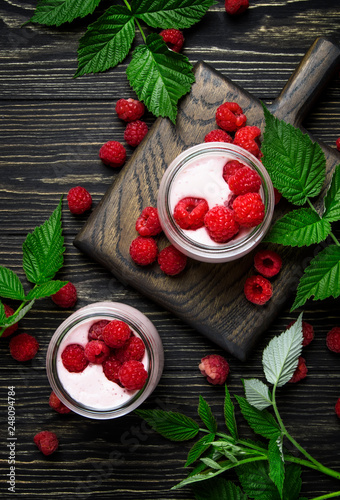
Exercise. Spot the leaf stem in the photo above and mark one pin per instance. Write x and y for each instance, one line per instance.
(336, 241)
(328, 495)
(127, 4)
(140, 29)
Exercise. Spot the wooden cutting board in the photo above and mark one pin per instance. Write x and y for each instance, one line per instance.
(209, 297)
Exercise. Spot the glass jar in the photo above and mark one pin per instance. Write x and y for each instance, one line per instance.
(91, 394)
(196, 243)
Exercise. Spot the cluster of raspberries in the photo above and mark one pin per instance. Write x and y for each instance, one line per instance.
(257, 288)
(113, 345)
(144, 249)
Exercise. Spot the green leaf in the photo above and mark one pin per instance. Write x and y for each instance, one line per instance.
(321, 278)
(10, 285)
(177, 14)
(276, 464)
(295, 164)
(199, 448)
(211, 463)
(43, 250)
(171, 425)
(332, 198)
(204, 411)
(107, 41)
(280, 357)
(45, 290)
(219, 489)
(57, 12)
(159, 76)
(229, 415)
(299, 228)
(3, 316)
(293, 483)
(256, 483)
(257, 393)
(17, 316)
(261, 421)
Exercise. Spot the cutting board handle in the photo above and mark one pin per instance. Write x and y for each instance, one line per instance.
(307, 81)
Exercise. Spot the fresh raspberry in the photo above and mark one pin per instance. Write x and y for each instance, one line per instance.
(148, 223)
(235, 7)
(143, 251)
(245, 180)
(249, 209)
(171, 261)
(23, 347)
(129, 110)
(132, 375)
(215, 368)
(116, 333)
(277, 196)
(268, 263)
(57, 405)
(221, 224)
(96, 330)
(10, 329)
(248, 138)
(173, 38)
(65, 297)
(189, 213)
(333, 339)
(79, 200)
(135, 132)
(111, 367)
(258, 290)
(74, 359)
(307, 332)
(337, 143)
(96, 351)
(133, 348)
(229, 116)
(230, 168)
(46, 441)
(300, 372)
(218, 135)
(337, 407)
(113, 154)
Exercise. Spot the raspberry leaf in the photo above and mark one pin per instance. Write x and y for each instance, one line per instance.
(107, 41)
(257, 393)
(172, 425)
(57, 12)
(18, 315)
(3, 316)
(10, 285)
(299, 228)
(229, 415)
(320, 278)
(199, 448)
(45, 290)
(276, 463)
(256, 483)
(262, 422)
(295, 163)
(159, 76)
(220, 489)
(332, 198)
(280, 357)
(43, 250)
(177, 14)
(204, 411)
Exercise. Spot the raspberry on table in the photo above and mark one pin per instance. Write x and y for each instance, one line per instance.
(171, 260)
(57, 405)
(230, 168)
(133, 348)
(307, 332)
(333, 339)
(96, 330)
(148, 223)
(337, 143)
(132, 375)
(143, 250)
(111, 367)
(229, 116)
(46, 441)
(23, 347)
(221, 223)
(248, 138)
(113, 154)
(337, 408)
(79, 200)
(218, 135)
(130, 109)
(300, 372)
(258, 290)
(74, 359)
(189, 213)
(65, 297)
(135, 132)
(173, 38)
(245, 180)
(215, 368)
(96, 351)
(10, 329)
(268, 263)
(235, 7)
(249, 209)
(116, 333)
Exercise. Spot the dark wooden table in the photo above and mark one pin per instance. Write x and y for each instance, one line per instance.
(52, 127)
